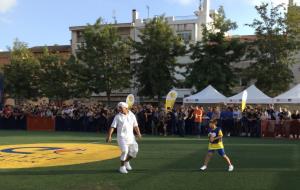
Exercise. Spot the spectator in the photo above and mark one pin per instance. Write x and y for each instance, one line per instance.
(198, 113)
(181, 115)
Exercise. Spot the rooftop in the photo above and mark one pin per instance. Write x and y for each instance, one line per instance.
(40, 49)
(120, 25)
(59, 48)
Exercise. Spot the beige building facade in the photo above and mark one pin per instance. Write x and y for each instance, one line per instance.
(189, 28)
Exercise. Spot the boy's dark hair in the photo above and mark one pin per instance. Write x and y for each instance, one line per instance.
(213, 121)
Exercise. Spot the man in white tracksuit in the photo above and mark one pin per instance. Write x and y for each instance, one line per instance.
(125, 122)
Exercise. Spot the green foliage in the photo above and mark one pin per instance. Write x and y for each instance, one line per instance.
(104, 58)
(77, 77)
(21, 76)
(214, 56)
(272, 53)
(156, 58)
(48, 75)
(54, 77)
(293, 26)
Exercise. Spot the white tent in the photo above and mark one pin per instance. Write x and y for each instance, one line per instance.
(255, 96)
(289, 97)
(209, 95)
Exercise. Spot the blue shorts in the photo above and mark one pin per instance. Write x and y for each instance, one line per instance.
(221, 151)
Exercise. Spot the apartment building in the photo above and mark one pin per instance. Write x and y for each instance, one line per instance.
(189, 28)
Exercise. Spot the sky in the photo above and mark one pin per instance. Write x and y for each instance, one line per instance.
(47, 22)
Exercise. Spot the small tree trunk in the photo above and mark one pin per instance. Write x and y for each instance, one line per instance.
(159, 99)
(108, 93)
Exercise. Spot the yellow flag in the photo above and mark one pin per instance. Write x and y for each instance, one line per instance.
(130, 100)
(171, 98)
(244, 99)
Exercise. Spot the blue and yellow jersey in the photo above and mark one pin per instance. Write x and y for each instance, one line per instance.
(216, 144)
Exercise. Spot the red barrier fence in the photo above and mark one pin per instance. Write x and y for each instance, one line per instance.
(36, 123)
(286, 128)
(268, 128)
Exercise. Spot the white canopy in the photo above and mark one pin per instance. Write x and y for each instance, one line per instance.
(291, 96)
(209, 95)
(255, 96)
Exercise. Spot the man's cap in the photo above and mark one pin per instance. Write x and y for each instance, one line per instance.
(122, 104)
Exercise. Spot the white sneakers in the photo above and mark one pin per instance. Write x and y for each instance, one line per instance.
(123, 169)
(127, 165)
(230, 168)
(203, 168)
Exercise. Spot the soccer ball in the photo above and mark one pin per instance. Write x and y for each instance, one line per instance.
(213, 135)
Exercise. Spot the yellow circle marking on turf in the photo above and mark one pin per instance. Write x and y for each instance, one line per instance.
(54, 154)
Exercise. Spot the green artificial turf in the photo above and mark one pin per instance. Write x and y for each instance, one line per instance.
(162, 163)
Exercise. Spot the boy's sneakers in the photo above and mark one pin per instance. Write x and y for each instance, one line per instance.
(127, 166)
(230, 168)
(123, 170)
(203, 168)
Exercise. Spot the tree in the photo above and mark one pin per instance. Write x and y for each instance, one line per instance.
(77, 77)
(21, 75)
(272, 53)
(293, 26)
(156, 51)
(54, 77)
(215, 55)
(105, 59)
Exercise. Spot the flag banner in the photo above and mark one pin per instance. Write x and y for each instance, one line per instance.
(170, 99)
(244, 99)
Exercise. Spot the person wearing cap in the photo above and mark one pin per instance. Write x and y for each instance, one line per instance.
(125, 122)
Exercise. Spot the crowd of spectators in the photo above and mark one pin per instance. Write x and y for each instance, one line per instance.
(182, 120)
(75, 117)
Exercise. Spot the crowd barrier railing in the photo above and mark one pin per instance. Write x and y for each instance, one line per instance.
(37, 123)
(267, 128)
(284, 128)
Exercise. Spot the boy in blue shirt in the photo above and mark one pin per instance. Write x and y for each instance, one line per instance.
(215, 144)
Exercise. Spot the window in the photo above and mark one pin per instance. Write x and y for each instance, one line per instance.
(186, 36)
(180, 27)
(79, 37)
